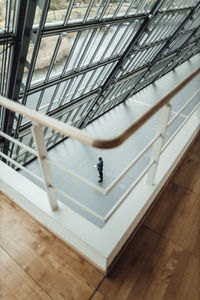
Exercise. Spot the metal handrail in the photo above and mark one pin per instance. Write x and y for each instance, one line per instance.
(83, 137)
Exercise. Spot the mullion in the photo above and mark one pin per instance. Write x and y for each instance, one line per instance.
(5, 48)
(35, 51)
(4, 66)
(54, 57)
(85, 109)
(69, 92)
(154, 25)
(88, 11)
(82, 109)
(129, 8)
(8, 15)
(124, 37)
(98, 111)
(87, 47)
(113, 91)
(109, 70)
(131, 62)
(99, 45)
(110, 92)
(115, 49)
(121, 40)
(87, 83)
(16, 12)
(71, 52)
(105, 97)
(165, 32)
(66, 93)
(107, 61)
(105, 107)
(129, 83)
(148, 54)
(123, 85)
(152, 52)
(104, 10)
(48, 72)
(140, 6)
(138, 58)
(63, 93)
(130, 91)
(109, 44)
(103, 38)
(178, 20)
(76, 113)
(85, 105)
(71, 4)
(110, 104)
(117, 9)
(57, 134)
(53, 98)
(103, 70)
(90, 104)
(65, 121)
(166, 6)
(89, 79)
(78, 85)
(103, 74)
(133, 82)
(155, 34)
(40, 100)
(180, 3)
(31, 146)
(98, 8)
(81, 49)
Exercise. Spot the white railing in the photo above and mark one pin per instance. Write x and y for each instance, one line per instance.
(156, 144)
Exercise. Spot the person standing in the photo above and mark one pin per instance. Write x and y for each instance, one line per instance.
(100, 169)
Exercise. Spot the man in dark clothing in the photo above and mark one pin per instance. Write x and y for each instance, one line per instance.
(100, 169)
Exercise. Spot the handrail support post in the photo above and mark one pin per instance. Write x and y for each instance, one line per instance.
(156, 149)
(44, 164)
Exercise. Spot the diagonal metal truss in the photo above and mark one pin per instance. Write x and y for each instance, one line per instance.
(75, 61)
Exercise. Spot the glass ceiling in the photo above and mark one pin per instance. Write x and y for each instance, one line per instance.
(75, 60)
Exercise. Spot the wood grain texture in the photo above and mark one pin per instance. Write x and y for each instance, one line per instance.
(13, 280)
(60, 272)
(145, 269)
(176, 217)
(163, 259)
(188, 174)
(162, 262)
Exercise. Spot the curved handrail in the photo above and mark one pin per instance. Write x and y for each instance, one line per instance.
(83, 137)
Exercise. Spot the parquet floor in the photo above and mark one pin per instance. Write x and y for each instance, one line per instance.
(161, 262)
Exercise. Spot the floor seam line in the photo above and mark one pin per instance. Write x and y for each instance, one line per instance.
(96, 289)
(25, 271)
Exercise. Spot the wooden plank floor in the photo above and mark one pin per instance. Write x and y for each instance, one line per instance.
(161, 262)
(34, 264)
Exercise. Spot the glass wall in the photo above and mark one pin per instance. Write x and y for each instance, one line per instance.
(85, 57)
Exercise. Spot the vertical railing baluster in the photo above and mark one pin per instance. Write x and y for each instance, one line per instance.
(156, 150)
(44, 164)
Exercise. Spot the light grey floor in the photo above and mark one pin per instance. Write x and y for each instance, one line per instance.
(81, 159)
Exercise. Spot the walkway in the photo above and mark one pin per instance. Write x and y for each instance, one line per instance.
(81, 159)
(161, 261)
